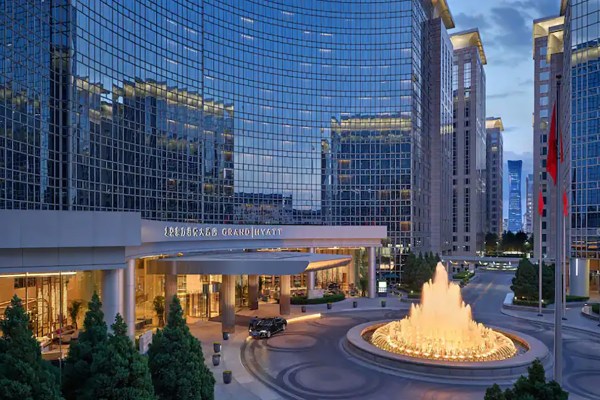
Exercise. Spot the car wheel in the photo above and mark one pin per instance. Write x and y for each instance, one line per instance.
(268, 334)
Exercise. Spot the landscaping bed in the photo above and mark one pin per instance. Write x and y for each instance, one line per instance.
(302, 300)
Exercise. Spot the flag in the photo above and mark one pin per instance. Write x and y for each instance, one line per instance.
(551, 166)
(541, 204)
(565, 204)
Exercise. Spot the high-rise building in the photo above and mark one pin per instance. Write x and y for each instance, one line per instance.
(185, 115)
(468, 144)
(515, 214)
(528, 226)
(547, 65)
(494, 174)
(580, 96)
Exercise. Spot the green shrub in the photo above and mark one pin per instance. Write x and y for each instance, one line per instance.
(528, 303)
(303, 300)
(596, 308)
(414, 295)
(576, 298)
(464, 275)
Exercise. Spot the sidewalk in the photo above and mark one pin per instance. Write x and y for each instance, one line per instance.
(575, 320)
(244, 385)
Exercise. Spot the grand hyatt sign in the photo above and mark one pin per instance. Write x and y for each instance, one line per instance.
(214, 232)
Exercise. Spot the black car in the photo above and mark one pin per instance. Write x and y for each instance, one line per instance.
(266, 327)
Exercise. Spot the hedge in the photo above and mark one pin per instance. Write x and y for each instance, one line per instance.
(302, 300)
(414, 295)
(576, 298)
(596, 308)
(463, 275)
(528, 303)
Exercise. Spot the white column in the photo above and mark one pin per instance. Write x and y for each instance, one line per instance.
(372, 275)
(129, 297)
(310, 279)
(579, 277)
(284, 295)
(228, 303)
(170, 289)
(112, 294)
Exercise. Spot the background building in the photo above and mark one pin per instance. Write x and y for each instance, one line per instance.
(515, 214)
(528, 226)
(468, 144)
(494, 174)
(547, 64)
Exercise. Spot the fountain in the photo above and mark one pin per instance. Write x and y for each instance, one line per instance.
(439, 341)
(442, 328)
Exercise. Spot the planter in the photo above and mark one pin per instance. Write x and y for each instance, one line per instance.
(382, 303)
(303, 308)
(329, 305)
(225, 335)
(217, 347)
(226, 377)
(216, 359)
(354, 304)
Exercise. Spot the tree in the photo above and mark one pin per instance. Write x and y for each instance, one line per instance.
(548, 282)
(24, 375)
(159, 309)
(75, 310)
(77, 371)
(532, 387)
(174, 347)
(525, 282)
(491, 242)
(118, 370)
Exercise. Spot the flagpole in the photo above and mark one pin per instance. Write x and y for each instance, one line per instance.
(558, 298)
(540, 314)
(563, 261)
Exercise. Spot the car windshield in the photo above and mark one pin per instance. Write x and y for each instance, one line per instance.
(264, 323)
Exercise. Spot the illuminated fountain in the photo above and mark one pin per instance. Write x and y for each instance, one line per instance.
(442, 328)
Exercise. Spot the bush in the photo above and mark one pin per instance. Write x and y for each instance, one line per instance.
(596, 308)
(463, 275)
(414, 295)
(528, 303)
(576, 298)
(303, 300)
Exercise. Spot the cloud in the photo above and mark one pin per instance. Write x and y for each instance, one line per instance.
(464, 21)
(504, 95)
(540, 7)
(514, 29)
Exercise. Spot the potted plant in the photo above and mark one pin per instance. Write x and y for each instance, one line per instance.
(227, 377)
(75, 310)
(159, 309)
(216, 359)
(354, 304)
(217, 347)
(225, 335)
(382, 303)
(329, 305)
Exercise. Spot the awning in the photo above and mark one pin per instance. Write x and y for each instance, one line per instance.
(248, 263)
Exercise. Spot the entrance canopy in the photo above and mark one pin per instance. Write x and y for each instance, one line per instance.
(247, 263)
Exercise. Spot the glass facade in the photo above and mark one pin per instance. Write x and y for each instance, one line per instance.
(583, 43)
(223, 111)
(515, 214)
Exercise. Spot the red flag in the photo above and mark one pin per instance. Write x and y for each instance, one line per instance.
(565, 204)
(540, 204)
(552, 159)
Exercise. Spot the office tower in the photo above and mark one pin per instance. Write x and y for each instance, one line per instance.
(494, 174)
(547, 65)
(581, 97)
(515, 214)
(528, 226)
(468, 144)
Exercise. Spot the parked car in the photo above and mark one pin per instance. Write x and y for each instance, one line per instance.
(266, 327)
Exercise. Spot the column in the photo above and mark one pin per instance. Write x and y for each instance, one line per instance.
(284, 294)
(310, 280)
(228, 303)
(170, 289)
(112, 294)
(372, 275)
(579, 277)
(253, 291)
(129, 298)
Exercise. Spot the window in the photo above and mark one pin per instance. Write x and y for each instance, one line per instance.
(544, 101)
(544, 76)
(467, 75)
(544, 89)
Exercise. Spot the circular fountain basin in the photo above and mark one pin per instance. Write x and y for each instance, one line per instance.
(466, 372)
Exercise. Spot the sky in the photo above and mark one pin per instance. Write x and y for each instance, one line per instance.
(506, 33)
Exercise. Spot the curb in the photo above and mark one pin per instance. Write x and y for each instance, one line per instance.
(573, 328)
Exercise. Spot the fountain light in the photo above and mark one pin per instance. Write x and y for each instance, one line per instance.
(442, 328)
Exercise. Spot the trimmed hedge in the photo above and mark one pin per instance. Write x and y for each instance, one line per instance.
(415, 295)
(302, 300)
(463, 275)
(596, 308)
(528, 303)
(576, 298)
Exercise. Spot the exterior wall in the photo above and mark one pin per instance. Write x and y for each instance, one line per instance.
(494, 184)
(469, 153)
(440, 125)
(528, 224)
(515, 214)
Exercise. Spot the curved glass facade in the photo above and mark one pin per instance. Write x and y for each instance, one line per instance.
(220, 110)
